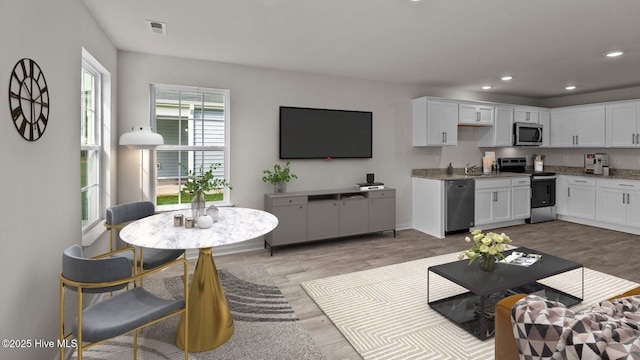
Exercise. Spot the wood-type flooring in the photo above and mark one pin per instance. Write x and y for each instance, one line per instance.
(611, 252)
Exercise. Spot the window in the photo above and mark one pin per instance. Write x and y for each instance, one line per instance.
(194, 123)
(90, 145)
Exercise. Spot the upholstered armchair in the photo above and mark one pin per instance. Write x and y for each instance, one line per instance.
(120, 215)
(128, 309)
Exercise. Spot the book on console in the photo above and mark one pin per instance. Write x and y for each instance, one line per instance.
(369, 186)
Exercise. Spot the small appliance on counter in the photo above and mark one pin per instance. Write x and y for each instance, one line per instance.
(595, 163)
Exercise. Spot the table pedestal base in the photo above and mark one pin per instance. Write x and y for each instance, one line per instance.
(210, 323)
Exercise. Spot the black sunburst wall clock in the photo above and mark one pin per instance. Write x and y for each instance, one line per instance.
(29, 99)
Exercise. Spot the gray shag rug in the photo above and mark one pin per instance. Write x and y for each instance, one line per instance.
(266, 326)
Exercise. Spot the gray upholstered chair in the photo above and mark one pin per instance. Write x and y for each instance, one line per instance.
(120, 215)
(125, 311)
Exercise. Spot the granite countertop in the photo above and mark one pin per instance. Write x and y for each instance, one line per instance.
(458, 173)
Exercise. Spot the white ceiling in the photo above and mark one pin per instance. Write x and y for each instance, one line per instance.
(458, 44)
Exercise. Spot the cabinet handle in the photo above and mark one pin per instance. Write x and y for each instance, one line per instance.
(633, 138)
(573, 140)
(495, 196)
(581, 181)
(577, 140)
(445, 136)
(478, 116)
(568, 192)
(628, 198)
(623, 196)
(627, 185)
(443, 140)
(528, 116)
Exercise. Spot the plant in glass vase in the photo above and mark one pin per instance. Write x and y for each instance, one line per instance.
(198, 184)
(279, 177)
(488, 248)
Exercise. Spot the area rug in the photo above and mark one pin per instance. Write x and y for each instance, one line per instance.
(266, 326)
(383, 312)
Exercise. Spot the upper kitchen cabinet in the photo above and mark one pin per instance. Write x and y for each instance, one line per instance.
(526, 115)
(501, 134)
(434, 122)
(475, 114)
(580, 126)
(623, 124)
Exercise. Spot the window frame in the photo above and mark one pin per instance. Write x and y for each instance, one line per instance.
(91, 66)
(225, 149)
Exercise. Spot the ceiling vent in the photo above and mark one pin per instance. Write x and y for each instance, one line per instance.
(156, 27)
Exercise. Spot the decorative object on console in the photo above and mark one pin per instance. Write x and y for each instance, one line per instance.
(198, 185)
(29, 99)
(205, 221)
(488, 248)
(279, 177)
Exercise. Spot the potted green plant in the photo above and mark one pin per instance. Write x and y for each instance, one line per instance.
(279, 177)
(198, 184)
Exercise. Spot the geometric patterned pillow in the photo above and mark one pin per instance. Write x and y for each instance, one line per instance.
(538, 325)
(548, 330)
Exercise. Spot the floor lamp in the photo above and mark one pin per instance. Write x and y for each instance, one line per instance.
(142, 138)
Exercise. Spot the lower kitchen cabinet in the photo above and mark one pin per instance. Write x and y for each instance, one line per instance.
(576, 197)
(521, 198)
(493, 201)
(309, 216)
(619, 202)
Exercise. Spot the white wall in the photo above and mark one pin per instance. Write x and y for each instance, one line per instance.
(256, 95)
(40, 212)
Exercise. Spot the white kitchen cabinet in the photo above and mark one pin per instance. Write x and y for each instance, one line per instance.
(493, 201)
(434, 122)
(623, 124)
(475, 114)
(579, 126)
(520, 198)
(529, 115)
(619, 202)
(501, 134)
(544, 119)
(577, 197)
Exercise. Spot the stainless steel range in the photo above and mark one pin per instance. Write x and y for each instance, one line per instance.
(543, 188)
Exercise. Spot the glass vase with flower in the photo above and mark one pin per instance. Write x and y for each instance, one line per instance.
(199, 184)
(487, 249)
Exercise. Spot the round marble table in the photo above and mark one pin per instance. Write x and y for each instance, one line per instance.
(209, 322)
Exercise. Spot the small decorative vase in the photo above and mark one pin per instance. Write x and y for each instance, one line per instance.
(198, 205)
(488, 263)
(280, 187)
(213, 212)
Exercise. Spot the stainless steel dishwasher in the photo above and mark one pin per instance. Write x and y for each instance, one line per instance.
(459, 205)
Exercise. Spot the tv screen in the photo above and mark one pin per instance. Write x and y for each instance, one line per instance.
(324, 134)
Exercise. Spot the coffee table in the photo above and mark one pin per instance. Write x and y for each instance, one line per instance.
(487, 288)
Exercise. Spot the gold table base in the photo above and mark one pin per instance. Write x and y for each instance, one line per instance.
(210, 322)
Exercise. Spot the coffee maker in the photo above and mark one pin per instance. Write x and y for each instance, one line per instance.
(594, 163)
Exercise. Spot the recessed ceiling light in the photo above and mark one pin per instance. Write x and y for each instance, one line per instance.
(486, 87)
(570, 87)
(506, 78)
(614, 53)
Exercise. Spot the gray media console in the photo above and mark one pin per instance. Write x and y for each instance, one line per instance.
(316, 215)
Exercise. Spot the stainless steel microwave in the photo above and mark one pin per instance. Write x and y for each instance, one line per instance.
(527, 134)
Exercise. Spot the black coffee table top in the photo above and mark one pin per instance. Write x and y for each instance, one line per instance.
(505, 276)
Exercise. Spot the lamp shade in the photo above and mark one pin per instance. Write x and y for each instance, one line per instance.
(141, 137)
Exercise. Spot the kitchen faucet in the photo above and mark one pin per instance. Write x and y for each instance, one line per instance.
(467, 168)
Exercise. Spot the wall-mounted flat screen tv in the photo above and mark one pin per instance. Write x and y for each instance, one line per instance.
(307, 133)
